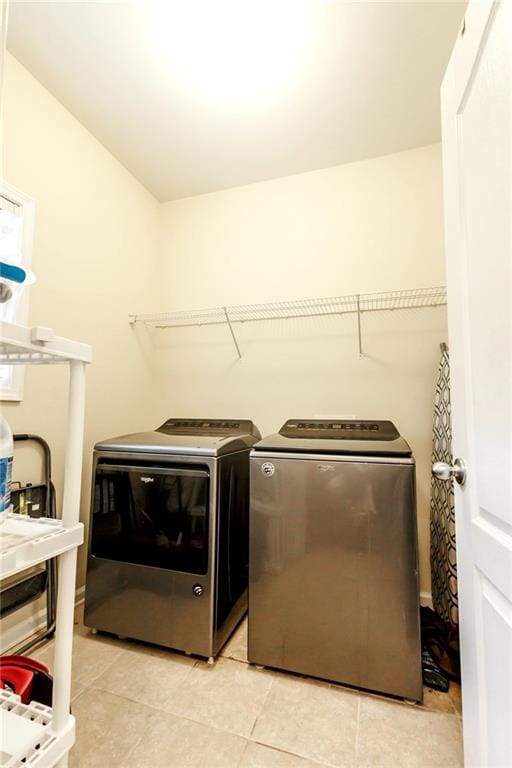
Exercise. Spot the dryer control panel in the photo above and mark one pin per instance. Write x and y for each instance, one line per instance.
(205, 427)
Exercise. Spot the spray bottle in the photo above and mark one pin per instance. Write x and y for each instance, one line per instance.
(6, 454)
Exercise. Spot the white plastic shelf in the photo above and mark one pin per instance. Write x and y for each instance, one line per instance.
(38, 346)
(28, 739)
(26, 541)
(35, 736)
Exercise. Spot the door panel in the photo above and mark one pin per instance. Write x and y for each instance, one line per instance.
(485, 164)
(497, 621)
(477, 157)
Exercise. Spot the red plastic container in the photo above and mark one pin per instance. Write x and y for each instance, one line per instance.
(27, 677)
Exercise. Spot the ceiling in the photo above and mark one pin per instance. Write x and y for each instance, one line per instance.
(194, 96)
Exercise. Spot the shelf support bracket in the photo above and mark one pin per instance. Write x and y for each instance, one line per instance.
(359, 325)
(228, 321)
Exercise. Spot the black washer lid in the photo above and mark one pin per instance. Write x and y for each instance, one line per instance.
(355, 437)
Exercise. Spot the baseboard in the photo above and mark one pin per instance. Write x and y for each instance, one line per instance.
(32, 622)
(426, 600)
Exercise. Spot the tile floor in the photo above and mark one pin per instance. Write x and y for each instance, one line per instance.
(140, 706)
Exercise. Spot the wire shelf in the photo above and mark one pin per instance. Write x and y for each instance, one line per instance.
(413, 298)
(283, 310)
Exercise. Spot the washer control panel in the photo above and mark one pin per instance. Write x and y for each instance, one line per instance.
(339, 430)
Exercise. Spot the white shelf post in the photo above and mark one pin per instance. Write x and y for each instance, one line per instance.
(75, 442)
(63, 650)
(67, 562)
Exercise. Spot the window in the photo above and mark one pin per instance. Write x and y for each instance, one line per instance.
(16, 231)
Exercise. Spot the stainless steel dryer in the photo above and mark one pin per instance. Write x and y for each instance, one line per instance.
(168, 534)
(333, 584)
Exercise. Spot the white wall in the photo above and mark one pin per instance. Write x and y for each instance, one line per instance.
(94, 258)
(369, 226)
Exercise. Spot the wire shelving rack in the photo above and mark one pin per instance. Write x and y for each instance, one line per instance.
(356, 304)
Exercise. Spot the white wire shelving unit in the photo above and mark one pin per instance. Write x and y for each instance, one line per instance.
(34, 735)
(355, 304)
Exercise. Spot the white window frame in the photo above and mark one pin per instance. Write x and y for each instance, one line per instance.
(14, 392)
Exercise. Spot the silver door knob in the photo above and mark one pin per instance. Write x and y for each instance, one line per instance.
(445, 472)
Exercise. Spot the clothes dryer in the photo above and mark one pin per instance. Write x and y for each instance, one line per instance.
(168, 538)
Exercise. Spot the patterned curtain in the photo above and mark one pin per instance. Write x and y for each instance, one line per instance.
(443, 557)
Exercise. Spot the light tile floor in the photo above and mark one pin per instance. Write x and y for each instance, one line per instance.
(138, 706)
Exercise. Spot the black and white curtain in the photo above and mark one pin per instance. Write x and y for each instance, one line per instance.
(443, 558)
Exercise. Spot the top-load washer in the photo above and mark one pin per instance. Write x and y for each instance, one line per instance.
(168, 538)
(333, 583)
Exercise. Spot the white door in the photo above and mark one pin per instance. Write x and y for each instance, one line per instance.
(477, 156)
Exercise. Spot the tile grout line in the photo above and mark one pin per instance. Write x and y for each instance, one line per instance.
(356, 746)
(197, 663)
(248, 738)
(291, 754)
(241, 759)
(324, 764)
(335, 686)
(261, 710)
(114, 660)
(387, 699)
(166, 712)
(90, 680)
(132, 749)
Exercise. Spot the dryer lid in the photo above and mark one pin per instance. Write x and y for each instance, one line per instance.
(201, 437)
(354, 437)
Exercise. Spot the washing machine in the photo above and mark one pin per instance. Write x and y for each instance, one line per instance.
(333, 577)
(168, 535)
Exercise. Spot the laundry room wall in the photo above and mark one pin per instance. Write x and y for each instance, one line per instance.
(368, 226)
(104, 248)
(94, 258)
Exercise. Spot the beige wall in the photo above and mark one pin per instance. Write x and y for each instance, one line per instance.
(369, 226)
(94, 258)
